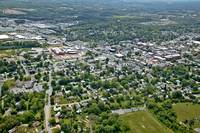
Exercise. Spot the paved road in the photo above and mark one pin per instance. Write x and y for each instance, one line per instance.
(0, 88)
(123, 111)
(26, 71)
(72, 103)
(48, 106)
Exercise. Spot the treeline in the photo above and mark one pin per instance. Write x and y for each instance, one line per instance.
(17, 45)
(31, 104)
(7, 67)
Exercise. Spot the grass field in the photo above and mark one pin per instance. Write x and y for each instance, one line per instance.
(141, 122)
(188, 111)
(8, 53)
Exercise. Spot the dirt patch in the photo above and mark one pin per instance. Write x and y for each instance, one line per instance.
(9, 11)
(8, 50)
(2, 55)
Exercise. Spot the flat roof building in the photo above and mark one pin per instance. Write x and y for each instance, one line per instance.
(3, 37)
(119, 55)
(173, 57)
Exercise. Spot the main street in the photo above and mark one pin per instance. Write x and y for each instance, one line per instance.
(48, 105)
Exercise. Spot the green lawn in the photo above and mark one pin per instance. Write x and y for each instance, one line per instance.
(8, 53)
(141, 122)
(188, 111)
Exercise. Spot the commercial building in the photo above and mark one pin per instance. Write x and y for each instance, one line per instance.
(3, 37)
(173, 57)
(119, 55)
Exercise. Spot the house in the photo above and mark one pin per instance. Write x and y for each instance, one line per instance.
(69, 108)
(32, 71)
(119, 55)
(80, 120)
(17, 104)
(79, 111)
(72, 98)
(104, 99)
(67, 92)
(78, 106)
(56, 100)
(84, 95)
(18, 83)
(57, 109)
(1, 76)
(59, 94)
(85, 105)
(57, 120)
(36, 124)
(58, 114)
(28, 84)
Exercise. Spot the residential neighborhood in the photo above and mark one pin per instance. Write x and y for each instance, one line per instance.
(69, 68)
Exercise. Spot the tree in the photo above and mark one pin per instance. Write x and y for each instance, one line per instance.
(53, 83)
(27, 117)
(50, 57)
(107, 60)
(151, 105)
(126, 86)
(52, 121)
(177, 94)
(27, 56)
(138, 98)
(82, 125)
(16, 77)
(22, 105)
(52, 100)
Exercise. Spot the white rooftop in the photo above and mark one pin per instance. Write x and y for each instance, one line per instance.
(2, 37)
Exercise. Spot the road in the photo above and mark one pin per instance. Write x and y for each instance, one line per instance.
(72, 103)
(26, 74)
(1, 84)
(48, 106)
(26, 71)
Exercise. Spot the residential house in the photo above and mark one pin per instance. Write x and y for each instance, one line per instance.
(18, 83)
(28, 84)
(36, 124)
(56, 100)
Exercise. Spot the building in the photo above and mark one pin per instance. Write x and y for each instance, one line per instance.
(119, 55)
(58, 114)
(36, 124)
(69, 108)
(56, 100)
(112, 50)
(173, 57)
(57, 109)
(159, 58)
(57, 120)
(57, 51)
(28, 84)
(18, 83)
(1, 76)
(3, 37)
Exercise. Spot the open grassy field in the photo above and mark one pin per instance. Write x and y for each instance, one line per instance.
(188, 111)
(8, 53)
(141, 122)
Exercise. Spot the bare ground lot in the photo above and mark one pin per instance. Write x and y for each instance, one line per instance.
(10, 11)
